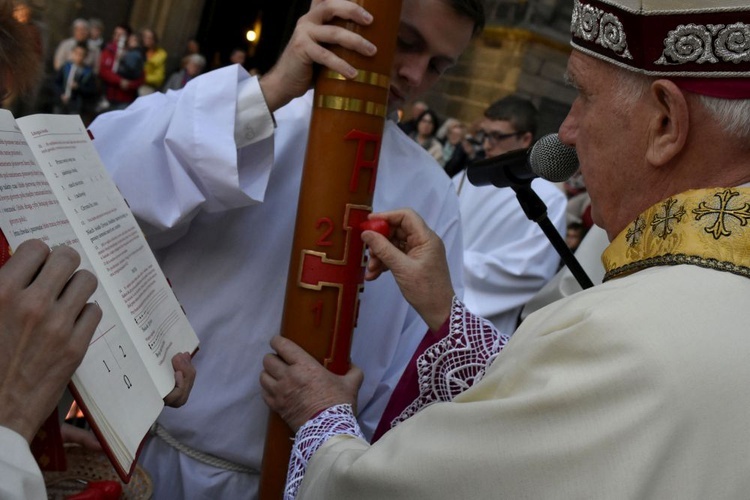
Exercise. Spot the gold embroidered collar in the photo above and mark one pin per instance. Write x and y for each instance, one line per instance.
(702, 227)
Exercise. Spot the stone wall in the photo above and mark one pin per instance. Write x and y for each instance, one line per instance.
(523, 51)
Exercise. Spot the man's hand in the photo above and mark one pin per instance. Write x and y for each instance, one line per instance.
(297, 387)
(76, 435)
(416, 260)
(45, 328)
(310, 44)
(184, 377)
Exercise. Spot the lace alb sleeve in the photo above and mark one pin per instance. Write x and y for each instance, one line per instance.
(445, 369)
(450, 366)
(334, 421)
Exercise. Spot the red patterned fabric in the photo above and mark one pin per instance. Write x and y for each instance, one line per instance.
(665, 40)
(723, 88)
(4, 249)
(407, 389)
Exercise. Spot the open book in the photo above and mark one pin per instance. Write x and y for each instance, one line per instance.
(54, 187)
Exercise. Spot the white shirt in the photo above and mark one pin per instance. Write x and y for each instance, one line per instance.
(222, 221)
(20, 477)
(70, 80)
(507, 257)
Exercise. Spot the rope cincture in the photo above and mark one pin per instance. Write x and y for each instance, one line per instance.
(206, 458)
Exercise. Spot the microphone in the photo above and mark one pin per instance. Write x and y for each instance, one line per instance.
(547, 158)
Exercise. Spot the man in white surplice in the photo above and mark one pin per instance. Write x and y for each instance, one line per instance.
(507, 257)
(215, 188)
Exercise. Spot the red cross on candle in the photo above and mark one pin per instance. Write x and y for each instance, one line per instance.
(318, 271)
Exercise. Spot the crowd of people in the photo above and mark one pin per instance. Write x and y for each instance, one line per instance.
(455, 145)
(93, 75)
(631, 389)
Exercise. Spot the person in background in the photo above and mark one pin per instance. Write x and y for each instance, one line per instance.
(574, 234)
(192, 46)
(194, 66)
(442, 131)
(455, 156)
(96, 41)
(24, 14)
(219, 182)
(635, 388)
(410, 126)
(238, 56)
(80, 33)
(96, 34)
(118, 90)
(131, 63)
(427, 123)
(21, 105)
(75, 83)
(507, 257)
(155, 68)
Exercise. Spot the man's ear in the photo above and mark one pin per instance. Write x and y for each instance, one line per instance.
(527, 139)
(669, 123)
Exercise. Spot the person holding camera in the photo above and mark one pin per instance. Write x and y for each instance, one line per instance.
(507, 257)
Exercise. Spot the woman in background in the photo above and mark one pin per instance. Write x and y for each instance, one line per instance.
(155, 68)
(427, 125)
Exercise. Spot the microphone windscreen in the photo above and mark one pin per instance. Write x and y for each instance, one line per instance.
(552, 160)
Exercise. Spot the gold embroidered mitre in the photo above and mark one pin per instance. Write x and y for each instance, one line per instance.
(702, 227)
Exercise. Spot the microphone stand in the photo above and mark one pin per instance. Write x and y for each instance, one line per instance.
(536, 210)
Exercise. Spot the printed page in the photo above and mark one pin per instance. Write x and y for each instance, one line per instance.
(112, 380)
(110, 235)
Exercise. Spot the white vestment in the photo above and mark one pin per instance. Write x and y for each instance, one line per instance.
(20, 477)
(564, 283)
(221, 221)
(507, 257)
(633, 389)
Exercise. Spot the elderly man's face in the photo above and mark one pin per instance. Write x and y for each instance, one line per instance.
(610, 138)
(431, 37)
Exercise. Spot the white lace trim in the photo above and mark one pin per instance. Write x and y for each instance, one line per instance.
(445, 369)
(334, 421)
(455, 363)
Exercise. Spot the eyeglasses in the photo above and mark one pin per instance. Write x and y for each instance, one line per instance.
(494, 137)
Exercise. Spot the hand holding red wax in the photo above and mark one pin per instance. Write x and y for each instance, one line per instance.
(378, 225)
(415, 255)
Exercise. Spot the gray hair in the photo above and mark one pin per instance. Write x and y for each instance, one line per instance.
(196, 59)
(732, 115)
(80, 22)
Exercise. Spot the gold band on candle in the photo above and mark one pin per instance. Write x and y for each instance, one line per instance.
(366, 77)
(339, 103)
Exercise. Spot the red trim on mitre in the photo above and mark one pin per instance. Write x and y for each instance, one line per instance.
(713, 42)
(725, 88)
